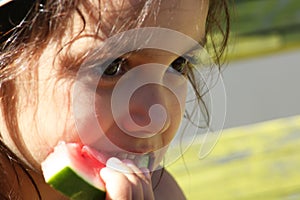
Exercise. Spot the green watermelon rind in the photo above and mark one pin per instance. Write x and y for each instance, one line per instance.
(68, 182)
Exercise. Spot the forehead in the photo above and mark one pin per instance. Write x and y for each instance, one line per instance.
(187, 17)
(119, 15)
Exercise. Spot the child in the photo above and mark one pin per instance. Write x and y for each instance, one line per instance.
(44, 45)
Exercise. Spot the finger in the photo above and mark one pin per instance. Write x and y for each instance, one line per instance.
(147, 187)
(129, 173)
(138, 171)
(116, 184)
(136, 182)
(145, 179)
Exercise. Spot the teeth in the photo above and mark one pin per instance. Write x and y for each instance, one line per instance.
(141, 161)
(122, 156)
(130, 157)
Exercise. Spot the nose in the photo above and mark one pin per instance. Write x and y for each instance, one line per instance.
(140, 102)
(144, 100)
(149, 110)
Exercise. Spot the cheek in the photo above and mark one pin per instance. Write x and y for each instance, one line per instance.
(91, 113)
(44, 123)
(102, 109)
(175, 120)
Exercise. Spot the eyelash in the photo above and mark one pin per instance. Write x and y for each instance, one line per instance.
(180, 65)
(115, 68)
(114, 71)
(118, 67)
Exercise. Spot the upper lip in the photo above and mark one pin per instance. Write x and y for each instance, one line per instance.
(132, 144)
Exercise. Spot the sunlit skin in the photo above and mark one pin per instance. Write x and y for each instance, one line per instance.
(54, 120)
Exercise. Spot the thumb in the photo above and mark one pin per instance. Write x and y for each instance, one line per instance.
(116, 184)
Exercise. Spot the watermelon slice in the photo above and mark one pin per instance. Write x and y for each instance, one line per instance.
(73, 170)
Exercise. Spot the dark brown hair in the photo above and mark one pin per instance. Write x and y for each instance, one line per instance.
(26, 25)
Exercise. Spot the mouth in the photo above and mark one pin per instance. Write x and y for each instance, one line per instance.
(140, 160)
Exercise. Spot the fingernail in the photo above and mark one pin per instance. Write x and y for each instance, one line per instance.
(116, 164)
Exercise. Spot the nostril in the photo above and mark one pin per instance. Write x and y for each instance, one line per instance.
(139, 117)
(147, 111)
(143, 126)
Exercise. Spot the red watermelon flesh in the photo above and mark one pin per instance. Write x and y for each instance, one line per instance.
(74, 170)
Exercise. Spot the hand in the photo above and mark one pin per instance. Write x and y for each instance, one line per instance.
(125, 181)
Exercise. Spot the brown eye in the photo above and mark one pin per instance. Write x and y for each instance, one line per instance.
(180, 65)
(115, 67)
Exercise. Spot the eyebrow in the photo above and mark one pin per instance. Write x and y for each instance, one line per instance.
(156, 53)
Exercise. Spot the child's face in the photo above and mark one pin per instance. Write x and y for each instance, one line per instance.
(54, 119)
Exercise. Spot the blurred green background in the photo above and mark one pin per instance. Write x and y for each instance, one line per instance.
(258, 160)
(262, 27)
